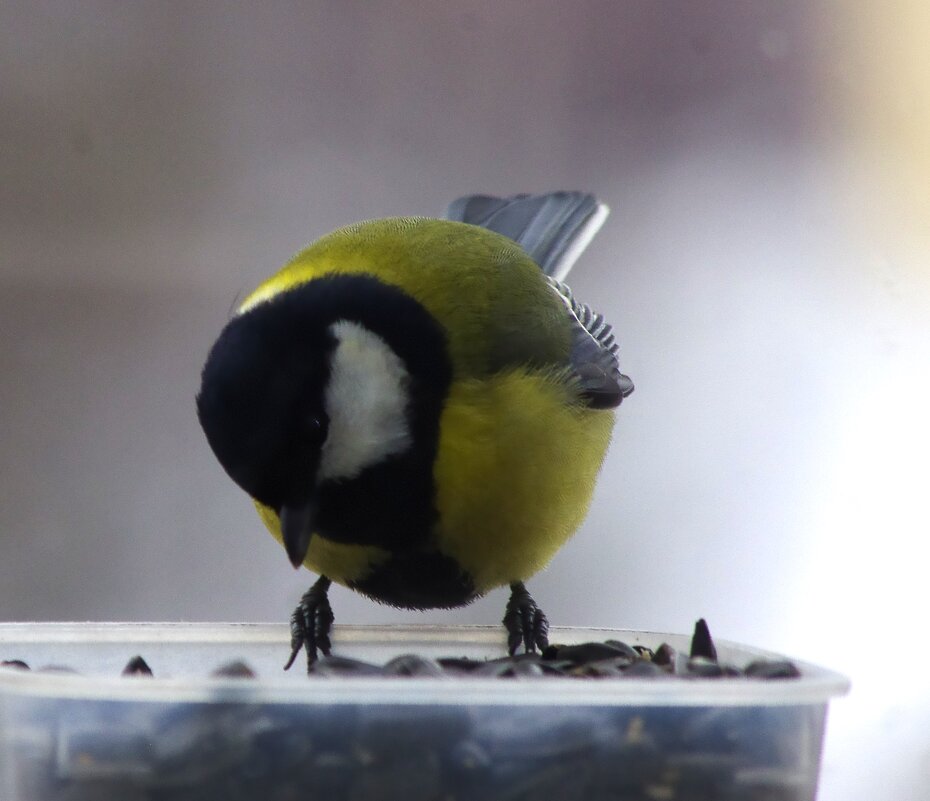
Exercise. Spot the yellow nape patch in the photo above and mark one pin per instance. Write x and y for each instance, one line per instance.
(341, 563)
(518, 459)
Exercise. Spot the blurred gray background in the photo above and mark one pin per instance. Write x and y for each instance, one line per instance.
(764, 266)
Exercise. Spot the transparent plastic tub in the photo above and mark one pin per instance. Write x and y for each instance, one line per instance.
(183, 734)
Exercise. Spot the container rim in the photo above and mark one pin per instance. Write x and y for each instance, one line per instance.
(816, 685)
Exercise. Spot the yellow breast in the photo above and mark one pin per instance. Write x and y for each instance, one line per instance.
(516, 468)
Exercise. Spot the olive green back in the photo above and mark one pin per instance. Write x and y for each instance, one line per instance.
(490, 297)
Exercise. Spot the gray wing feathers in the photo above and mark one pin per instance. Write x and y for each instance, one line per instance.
(552, 228)
(594, 355)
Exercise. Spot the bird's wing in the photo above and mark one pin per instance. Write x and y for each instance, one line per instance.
(553, 228)
(594, 353)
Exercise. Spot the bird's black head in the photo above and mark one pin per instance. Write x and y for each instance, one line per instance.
(261, 400)
(325, 388)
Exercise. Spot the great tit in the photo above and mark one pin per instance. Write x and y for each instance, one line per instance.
(419, 407)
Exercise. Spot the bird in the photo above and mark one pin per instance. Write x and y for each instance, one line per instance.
(419, 407)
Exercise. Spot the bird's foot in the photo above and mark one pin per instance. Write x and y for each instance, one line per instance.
(524, 621)
(311, 623)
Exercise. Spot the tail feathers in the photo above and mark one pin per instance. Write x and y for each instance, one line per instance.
(552, 228)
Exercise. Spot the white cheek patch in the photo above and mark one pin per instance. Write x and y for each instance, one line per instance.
(366, 402)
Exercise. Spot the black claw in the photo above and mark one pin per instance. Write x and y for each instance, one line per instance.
(311, 623)
(524, 621)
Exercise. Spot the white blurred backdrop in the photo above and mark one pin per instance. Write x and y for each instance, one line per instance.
(765, 267)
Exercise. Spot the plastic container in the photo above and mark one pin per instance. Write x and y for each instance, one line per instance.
(283, 736)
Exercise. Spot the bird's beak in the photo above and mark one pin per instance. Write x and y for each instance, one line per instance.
(297, 529)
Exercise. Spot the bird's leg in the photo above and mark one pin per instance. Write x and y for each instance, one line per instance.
(311, 623)
(524, 621)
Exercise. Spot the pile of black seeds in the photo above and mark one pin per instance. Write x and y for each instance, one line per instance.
(608, 659)
(240, 751)
(597, 660)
